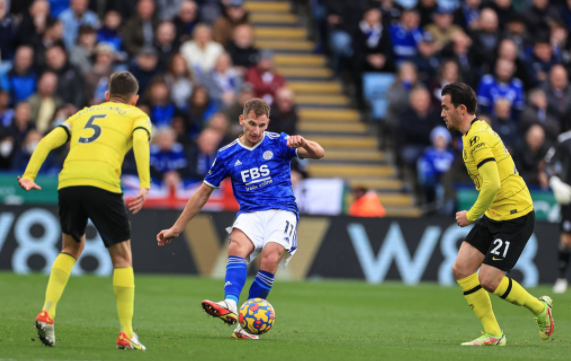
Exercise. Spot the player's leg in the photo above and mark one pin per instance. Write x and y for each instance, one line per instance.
(510, 239)
(469, 259)
(269, 262)
(61, 270)
(564, 257)
(236, 272)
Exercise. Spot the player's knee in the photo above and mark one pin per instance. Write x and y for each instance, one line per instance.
(489, 283)
(121, 255)
(74, 249)
(269, 262)
(459, 272)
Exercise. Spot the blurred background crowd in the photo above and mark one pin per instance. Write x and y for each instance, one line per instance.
(197, 65)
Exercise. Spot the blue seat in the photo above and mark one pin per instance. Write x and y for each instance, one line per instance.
(375, 88)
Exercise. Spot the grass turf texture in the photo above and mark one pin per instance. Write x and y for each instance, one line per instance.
(314, 321)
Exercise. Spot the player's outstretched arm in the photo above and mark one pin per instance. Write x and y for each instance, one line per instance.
(306, 148)
(56, 138)
(193, 206)
(142, 158)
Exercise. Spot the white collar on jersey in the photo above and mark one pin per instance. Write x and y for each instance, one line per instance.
(255, 146)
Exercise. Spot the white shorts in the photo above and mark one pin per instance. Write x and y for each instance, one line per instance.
(263, 227)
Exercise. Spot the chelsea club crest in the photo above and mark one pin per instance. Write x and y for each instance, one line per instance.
(268, 154)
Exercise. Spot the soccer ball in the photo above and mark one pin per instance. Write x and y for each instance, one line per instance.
(257, 316)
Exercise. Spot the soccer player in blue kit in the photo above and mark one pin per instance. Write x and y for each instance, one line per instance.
(258, 163)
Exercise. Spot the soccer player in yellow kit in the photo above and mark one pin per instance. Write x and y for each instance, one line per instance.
(90, 188)
(497, 240)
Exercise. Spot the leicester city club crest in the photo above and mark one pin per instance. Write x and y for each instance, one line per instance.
(268, 154)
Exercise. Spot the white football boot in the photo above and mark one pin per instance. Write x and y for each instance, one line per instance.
(560, 286)
(239, 332)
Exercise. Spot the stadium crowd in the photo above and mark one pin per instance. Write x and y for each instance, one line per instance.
(195, 61)
(515, 54)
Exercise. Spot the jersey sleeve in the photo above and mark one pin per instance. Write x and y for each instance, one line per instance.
(143, 122)
(286, 152)
(481, 147)
(216, 173)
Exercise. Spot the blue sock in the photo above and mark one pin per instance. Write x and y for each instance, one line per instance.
(262, 285)
(236, 272)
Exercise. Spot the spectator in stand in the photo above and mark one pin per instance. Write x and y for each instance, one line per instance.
(6, 113)
(158, 98)
(558, 92)
(201, 156)
(425, 9)
(508, 51)
(538, 112)
(201, 53)
(82, 54)
(58, 7)
(427, 60)
(21, 80)
(565, 14)
(53, 34)
(34, 22)
(45, 102)
(74, 17)
(234, 111)
(516, 31)
(366, 203)
(241, 49)
(264, 77)
(468, 14)
(8, 33)
(283, 112)
(210, 10)
(219, 123)
(7, 149)
(201, 108)
(461, 52)
(406, 35)
(343, 18)
(504, 9)
(165, 43)
(21, 125)
(448, 73)
(391, 11)
(539, 14)
(541, 61)
(529, 157)
(372, 49)
(168, 9)
(233, 14)
(559, 39)
(487, 39)
(125, 8)
(167, 158)
(139, 30)
(70, 86)
(179, 79)
(97, 79)
(51, 166)
(442, 29)
(145, 67)
(435, 161)
(185, 21)
(223, 82)
(506, 127)
(110, 31)
(501, 85)
(415, 126)
(398, 95)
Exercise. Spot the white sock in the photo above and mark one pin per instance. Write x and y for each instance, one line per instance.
(232, 304)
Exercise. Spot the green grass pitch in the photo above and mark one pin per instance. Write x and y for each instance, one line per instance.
(326, 320)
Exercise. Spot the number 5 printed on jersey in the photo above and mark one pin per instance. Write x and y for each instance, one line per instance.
(96, 129)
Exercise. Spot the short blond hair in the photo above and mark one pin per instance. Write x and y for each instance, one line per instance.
(258, 106)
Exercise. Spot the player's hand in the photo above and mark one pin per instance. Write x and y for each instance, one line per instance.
(166, 236)
(27, 184)
(296, 141)
(136, 203)
(462, 220)
(561, 190)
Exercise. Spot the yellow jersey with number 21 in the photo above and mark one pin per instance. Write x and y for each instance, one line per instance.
(100, 136)
(482, 145)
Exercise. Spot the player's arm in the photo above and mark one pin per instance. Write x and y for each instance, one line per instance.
(193, 206)
(561, 190)
(306, 148)
(56, 138)
(142, 158)
(491, 185)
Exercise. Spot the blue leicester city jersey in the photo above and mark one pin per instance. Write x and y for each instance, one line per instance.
(261, 176)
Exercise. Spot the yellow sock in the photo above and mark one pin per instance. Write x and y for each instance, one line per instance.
(61, 269)
(124, 286)
(513, 292)
(479, 301)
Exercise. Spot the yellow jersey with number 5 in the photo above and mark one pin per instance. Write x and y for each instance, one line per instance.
(482, 145)
(99, 137)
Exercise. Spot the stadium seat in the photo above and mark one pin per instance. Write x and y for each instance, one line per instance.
(375, 87)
